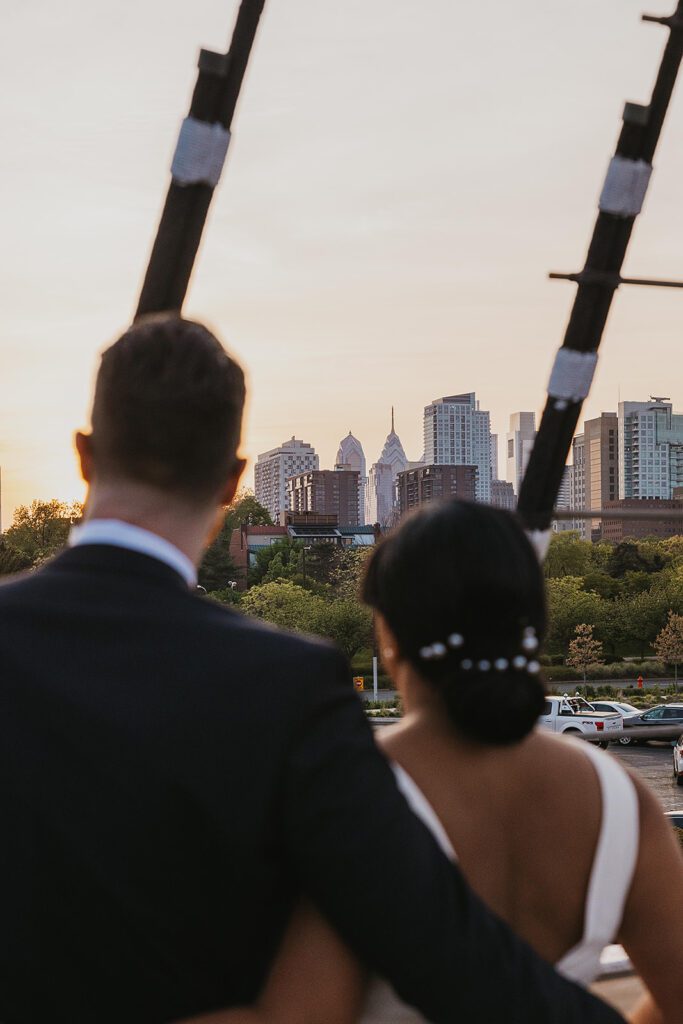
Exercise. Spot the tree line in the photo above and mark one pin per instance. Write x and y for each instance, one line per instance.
(625, 593)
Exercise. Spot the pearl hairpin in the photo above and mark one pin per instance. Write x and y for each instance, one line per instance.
(520, 662)
(529, 640)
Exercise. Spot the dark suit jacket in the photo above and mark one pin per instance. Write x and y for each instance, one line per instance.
(172, 776)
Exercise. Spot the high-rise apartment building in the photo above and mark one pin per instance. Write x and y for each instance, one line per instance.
(601, 457)
(494, 457)
(650, 449)
(520, 441)
(458, 433)
(350, 455)
(577, 484)
(431, 483)
(503, 495)
(327, 492)
(380, 494)
(273, 468)
(563, 502)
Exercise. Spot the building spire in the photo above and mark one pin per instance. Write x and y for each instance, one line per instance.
(392, 420)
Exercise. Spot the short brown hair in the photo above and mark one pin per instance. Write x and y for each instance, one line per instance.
(168, 408)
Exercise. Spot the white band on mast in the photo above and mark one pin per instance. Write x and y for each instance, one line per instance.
(572, 375)
(200, 153)
(625, 186)
(540, 542)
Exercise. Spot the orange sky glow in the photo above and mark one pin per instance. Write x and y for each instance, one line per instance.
(402, 176)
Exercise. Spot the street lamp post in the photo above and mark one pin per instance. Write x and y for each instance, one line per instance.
(304, 549)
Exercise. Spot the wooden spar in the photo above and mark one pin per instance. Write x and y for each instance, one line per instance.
(619, 205)
(187, 202)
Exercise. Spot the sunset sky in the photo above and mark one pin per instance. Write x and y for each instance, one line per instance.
(402, 176)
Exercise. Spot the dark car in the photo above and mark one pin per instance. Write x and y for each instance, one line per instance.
(667, 719)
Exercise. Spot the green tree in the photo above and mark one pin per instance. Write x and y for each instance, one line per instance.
(218, 568)
(346, 577)
(567, 556)
(672, 548)
(601, 552)
(669, 584)
(668, 643)
(12, 560)
(640, 618)
(244, 508)
(284, 604)
(636, 581)
(281, 560)
(40, 530)
(629, 556)
(227, 596)
(569, 605)
(347, 623)
(584, 650)
(601, 583)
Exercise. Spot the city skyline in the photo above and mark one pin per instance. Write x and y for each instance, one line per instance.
(319, 461)
(335, 266)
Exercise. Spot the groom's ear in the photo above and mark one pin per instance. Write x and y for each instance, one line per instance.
(232, 483)
(83, 443)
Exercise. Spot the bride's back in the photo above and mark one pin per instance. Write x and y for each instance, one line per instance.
(459, 604)
(523, 820)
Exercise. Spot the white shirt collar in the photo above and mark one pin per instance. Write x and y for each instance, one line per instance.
(118, 534)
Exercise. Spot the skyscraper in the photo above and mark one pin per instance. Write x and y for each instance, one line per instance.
(520, 441)
(458, 433)
(273, 468)
(425, 484)
(650, 449)
(563, 502)
(577, 481)
(494, 457)
(503, 495)
(350, 455)
(381, 498)
(326, 492)
(601, 463)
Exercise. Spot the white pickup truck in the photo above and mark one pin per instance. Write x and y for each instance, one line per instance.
(575, 715)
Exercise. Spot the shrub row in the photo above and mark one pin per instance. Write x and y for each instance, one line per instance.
(615, 670)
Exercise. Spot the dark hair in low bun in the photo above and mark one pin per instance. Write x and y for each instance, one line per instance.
(458, 567)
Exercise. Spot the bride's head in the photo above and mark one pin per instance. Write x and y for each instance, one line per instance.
(459, 596)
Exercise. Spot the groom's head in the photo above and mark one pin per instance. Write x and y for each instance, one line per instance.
(167, 413)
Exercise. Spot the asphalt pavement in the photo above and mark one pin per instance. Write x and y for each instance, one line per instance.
(653, 765)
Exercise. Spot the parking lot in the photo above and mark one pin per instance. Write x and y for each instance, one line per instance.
(653, 765)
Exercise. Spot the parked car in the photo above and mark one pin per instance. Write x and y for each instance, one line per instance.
(675, 818)
(678, 766)
(667, 718)
(618, 707)
(575, 715)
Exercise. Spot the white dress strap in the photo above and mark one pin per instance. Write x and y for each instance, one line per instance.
(420, 806)
(614, 862)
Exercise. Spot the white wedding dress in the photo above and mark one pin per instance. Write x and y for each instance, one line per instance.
(610, 881)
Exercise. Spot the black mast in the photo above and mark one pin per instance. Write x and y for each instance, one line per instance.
(196, 167)
(620, 203)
